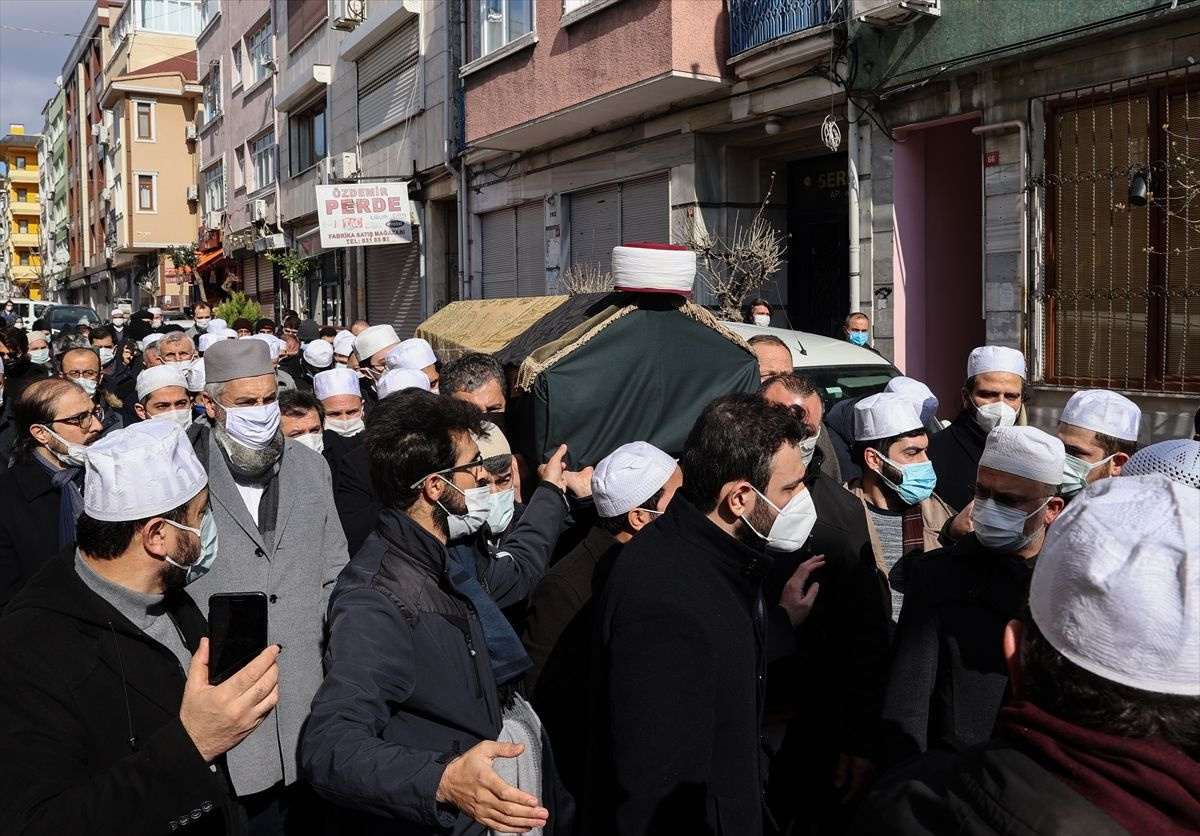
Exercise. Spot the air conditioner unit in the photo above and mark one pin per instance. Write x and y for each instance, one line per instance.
(106, 195)
(103, 136)
(349, 13)
(895, 12)
(325, 171)
(258, 210)
(193, 192)
(108, 252)
(269, 242)
(96, 129)
(214, 220)
(345, 165)
(190, 134)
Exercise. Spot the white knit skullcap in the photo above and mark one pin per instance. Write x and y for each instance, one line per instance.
(151, 338)
(155, 311)
(117, 312)
(343, 343)
(917, 392)
(996, 358)
(318, 354)
(215, 336)
(1105, 412)
(1177, 459)
(628, 476)
(411, 354)
(274, 344)
(395, 380)
(140, 471)
(885, 415)
(218, 324)
(1025, 451)
(157, 377)
(1116, 588)
(658, 268)
(334, 382)
(373, 340)
(492, 442)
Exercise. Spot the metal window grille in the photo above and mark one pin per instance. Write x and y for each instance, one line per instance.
(1118, 290)
(753, 23)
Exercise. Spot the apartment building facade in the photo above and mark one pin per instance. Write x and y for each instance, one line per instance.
(237, 130)
(20, 212)
(52, 160)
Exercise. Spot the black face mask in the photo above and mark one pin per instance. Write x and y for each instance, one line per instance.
(498, 419)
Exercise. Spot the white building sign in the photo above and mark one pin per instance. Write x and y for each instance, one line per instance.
(364, 214)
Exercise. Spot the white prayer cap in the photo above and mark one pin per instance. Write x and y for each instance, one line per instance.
(917, 392)
(140, 471)
(996, 358)
(274, 344)
(1104, 412)
(628, 476)
(83, 320)
(394, 380)
(155, 311)
(343, 343)
(654, 268)
(491, 442)
(411, 354)
(1177, 459)
(1116, 589)
(210, 336)
(372, 340)
(151, 338)
(330, 384)
(318, 354)
(116, 312)
(157, 377)
(1025, 451)
(194, 374)
(218, 324)
(885, 415)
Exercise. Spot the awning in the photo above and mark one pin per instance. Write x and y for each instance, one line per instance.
(210, 260)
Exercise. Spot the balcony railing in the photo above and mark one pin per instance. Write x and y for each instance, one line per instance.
(753, 23)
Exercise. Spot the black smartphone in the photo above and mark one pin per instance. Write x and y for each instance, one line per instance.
(237, 632)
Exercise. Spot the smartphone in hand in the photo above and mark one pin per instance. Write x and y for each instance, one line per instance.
(237, 632)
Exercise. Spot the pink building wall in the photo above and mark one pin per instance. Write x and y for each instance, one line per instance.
(613, 48)
(938, 256)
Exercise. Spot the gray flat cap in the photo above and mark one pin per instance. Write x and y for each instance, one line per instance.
(234, 359)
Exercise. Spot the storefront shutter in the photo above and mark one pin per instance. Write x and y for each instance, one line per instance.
(387, 78)
(266, 286)
(595, 224)
(646, 210)
(249, 273)
(531, 249)
(499, 268)
(393, 273)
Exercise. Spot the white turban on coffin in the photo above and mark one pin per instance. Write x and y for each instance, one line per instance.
(1105, 412)
(885, 415)
(1025, 451)
(1116, 589)
(140, 471)
(628, 476)
(996, 358)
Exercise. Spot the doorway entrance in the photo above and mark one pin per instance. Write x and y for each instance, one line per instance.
(819, 244)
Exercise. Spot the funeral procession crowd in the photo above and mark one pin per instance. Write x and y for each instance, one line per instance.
(473, 594)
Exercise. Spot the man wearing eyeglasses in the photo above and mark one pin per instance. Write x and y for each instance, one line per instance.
(42, 493)
(81, 366)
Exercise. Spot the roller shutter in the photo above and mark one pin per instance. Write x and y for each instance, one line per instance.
(388, 77)
(393, 274)
(531, 249)
(646, 210)
(249, 277)
(266, 286)
(498, 277)
(595, 226)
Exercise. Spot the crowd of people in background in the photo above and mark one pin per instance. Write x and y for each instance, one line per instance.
(862, 620)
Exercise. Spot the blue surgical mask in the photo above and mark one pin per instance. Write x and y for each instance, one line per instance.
(859, 337)
(501, 506)
(1001, 528)
(207, 532)
(1075, 473)
(40, 356)
(917, 481)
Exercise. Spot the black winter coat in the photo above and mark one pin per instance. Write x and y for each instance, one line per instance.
(336, 448)
(677, 684)
(991, 789)
(955, 453)
(948, 675)
(28, 525)
(354, 496)
(90, 736)
(408, 683)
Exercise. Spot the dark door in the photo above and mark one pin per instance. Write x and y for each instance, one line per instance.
(818, 252)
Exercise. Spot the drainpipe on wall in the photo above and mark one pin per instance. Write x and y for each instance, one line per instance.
(464, 172)
(852, 116)
(980, 130)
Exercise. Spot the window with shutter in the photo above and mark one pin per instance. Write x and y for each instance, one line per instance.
(388, 78)
(1119, 277)
(303, 18)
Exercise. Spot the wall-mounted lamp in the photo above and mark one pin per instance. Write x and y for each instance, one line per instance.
(773, 126)
(1141, 187)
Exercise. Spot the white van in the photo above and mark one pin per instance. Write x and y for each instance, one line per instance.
(27, 309)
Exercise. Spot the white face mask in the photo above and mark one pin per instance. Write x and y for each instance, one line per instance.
(996, 414)
(106, 356)
(180, 417)
(183, 365)
(76, 454)
(202, 322)
(478, 510)
(252, 426)
(501, 506)
(345, 427)
(156, 323)
(793, 524)
(88, 386)
(1002, 528)
(809, 446)
(118, 322)
(40, 356)
(762, 320)
(313, 441)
